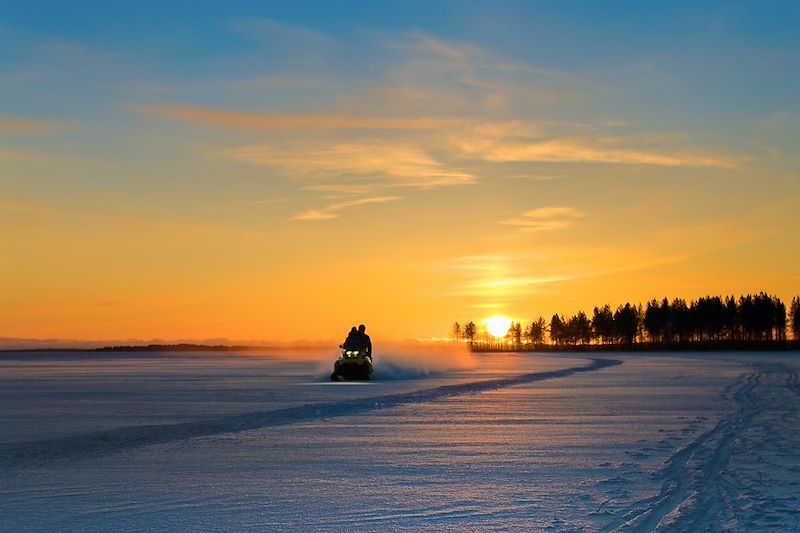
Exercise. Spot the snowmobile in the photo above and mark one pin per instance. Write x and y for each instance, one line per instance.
(353, 364)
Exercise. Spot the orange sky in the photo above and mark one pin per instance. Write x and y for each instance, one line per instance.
(429, 179)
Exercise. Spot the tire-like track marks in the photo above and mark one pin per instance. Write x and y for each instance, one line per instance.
(697, 490)
(21, 455)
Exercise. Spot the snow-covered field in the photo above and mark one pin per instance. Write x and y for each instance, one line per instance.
(439, 441)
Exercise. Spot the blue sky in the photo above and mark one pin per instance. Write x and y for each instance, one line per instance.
(513, 157)
(713, 59)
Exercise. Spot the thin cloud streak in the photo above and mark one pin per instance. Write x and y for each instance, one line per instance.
(271, 31)
(266, 121)
(313, 214)
(491, 276)
(332, 210)
(514, 282)
(545, 219)
(499, 276)
(269, 201)
(402, 165)
(24, 125)
(551, 212)
(582, 151)
(528, 225)
(363, 201)
(431, 96)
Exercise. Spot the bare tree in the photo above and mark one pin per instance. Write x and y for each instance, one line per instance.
(457, 331)
(470, 330)
(515, 333)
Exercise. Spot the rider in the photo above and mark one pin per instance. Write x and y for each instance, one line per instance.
(353, 340)
(364, 339)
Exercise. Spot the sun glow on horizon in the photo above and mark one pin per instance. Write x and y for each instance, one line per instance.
(497, 326)
(355, 167)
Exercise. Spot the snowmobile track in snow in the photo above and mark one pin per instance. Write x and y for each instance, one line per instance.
(698, 492)
(94, 444)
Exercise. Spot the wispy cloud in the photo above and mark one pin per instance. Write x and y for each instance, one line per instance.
(24, 125)
(425, 74)
(553, 212)
(266, 121)
(430, 114)
(274, 32)
(500, 276)
(332, 211)
(519, 275)
(313, 214)
(401, 165)
(545, 218)
(268, 201)
(776, 119)
(519, 282)
(342, 189)
(584, 150)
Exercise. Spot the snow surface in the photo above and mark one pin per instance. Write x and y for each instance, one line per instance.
(439, 441)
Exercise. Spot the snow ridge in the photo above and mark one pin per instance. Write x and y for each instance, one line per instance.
(85, 445)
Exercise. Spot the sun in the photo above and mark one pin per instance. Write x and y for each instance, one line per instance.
(498, 326)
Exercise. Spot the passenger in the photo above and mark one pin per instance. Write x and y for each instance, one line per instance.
(353, 340)
(366, 342)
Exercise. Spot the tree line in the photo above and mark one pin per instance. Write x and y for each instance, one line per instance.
(751, 319)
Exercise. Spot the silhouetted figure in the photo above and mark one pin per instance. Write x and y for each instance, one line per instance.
(353, 340)
(366, 342)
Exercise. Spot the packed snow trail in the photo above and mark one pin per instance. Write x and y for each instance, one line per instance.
(718, 481)
(20, 455)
